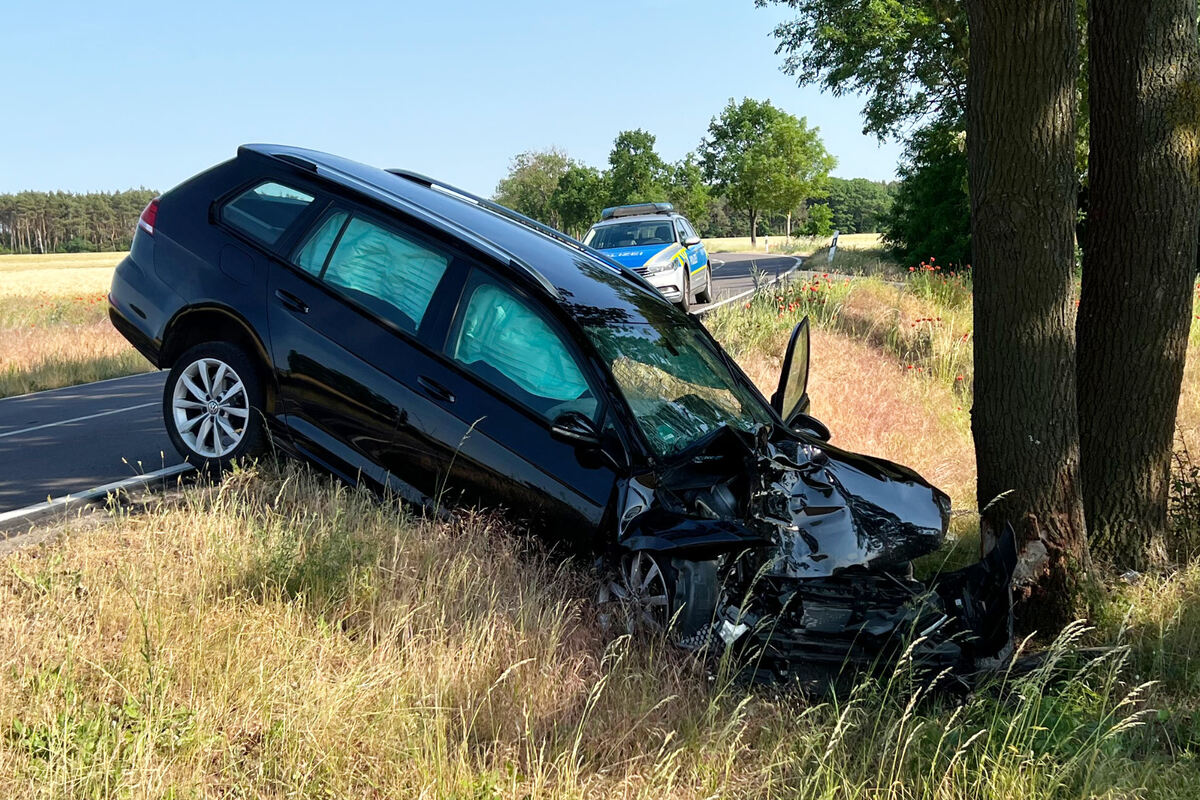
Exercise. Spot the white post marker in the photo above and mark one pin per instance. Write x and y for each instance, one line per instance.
(832, 248)
(767, 244)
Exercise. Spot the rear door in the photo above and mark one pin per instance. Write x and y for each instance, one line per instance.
(350, 312)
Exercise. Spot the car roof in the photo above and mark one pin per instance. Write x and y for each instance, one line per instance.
(572, 273)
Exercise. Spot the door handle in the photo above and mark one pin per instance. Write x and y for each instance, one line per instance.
(435, 390)
(290, 300)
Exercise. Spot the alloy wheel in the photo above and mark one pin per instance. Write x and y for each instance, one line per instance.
(210, 408)
(641, 587)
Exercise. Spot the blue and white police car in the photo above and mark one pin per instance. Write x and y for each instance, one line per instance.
(657, 242)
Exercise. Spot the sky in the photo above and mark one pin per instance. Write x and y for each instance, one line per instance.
(111, 95)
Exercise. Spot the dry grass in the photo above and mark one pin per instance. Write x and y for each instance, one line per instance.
(797, 245)
(54, 328)
(873, 404)
(278, 636)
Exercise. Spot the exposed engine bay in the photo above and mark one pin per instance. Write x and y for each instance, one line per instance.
(812, 549)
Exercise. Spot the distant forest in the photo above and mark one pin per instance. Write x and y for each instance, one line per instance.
(64, 222)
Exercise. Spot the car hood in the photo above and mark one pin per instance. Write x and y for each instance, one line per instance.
(818, 509)
(636, 256)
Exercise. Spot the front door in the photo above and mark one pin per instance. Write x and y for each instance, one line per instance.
(512, 370)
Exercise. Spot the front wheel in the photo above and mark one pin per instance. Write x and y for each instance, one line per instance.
(685, 292)
(658, 593)
(705, 295)
(212, 406)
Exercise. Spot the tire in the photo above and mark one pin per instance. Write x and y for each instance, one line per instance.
(211, 433)
(705, 295)
(658, 592)
(685, 294)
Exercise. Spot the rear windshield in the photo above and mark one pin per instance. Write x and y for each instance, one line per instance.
(630, 234)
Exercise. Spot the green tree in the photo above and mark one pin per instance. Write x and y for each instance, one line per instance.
(637, 174)
(820, 220)
(858, 205)
(930, 213)
(763, 158)
(908, 59)
(688, 192)
(529, 187)
(579, 199)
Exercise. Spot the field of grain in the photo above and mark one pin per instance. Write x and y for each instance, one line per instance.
(54, 328)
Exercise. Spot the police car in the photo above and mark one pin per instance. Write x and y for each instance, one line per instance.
(655, 240)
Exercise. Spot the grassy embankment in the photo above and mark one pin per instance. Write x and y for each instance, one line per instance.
(54, 328)
(280, 636)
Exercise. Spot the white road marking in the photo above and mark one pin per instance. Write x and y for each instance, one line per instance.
(64, 389)
(77, 419)
(93, 494)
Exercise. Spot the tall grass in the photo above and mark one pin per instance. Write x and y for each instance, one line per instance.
(279, 636)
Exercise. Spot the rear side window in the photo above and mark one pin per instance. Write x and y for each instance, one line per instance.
(382, 270)
(504, 340)
(266, 211)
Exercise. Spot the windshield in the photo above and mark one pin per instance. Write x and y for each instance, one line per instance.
(631, 234)
(676, 383)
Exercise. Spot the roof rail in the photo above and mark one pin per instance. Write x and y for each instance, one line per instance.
(436, 219)
(516, 216)
(490, 205)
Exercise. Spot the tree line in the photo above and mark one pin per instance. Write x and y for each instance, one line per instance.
(65, 222)
(1021, 120)
(757, 170)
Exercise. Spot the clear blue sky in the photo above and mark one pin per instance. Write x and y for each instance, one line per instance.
(107, 95)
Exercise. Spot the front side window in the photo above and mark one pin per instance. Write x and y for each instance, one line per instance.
(503, 339)
(384, 271)
(677, 385)
(266, 211)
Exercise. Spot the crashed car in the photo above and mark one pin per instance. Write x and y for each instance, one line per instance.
(403, 333)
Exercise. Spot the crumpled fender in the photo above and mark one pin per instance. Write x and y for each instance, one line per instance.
(979, 597)
(687, 537)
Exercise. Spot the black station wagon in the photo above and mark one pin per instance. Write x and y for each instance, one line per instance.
(395, 330)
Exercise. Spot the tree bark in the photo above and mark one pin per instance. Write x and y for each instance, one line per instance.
(1020, 150)
(1138, 267)
(753, 226)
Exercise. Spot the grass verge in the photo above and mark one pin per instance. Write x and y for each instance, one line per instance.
(279, 636)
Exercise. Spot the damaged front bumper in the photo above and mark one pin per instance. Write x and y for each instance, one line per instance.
(815, 547)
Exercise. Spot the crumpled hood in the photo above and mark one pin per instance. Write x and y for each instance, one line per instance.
(831, 510)
(822, 508)
(636, 256)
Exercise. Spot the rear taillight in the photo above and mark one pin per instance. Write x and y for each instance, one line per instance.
(149, 217)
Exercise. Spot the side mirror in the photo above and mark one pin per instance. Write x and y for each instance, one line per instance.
(691, 241)
(806, 423)
(574, 428)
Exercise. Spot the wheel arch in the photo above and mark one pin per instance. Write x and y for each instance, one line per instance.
(216, 323)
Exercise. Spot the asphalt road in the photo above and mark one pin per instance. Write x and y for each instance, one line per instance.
(70, 440)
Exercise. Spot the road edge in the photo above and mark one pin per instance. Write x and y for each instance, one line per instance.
(798, 262)
(20, 520)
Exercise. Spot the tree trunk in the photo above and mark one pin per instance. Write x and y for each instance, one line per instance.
(788, 232)
(1138, 269)
(1021, 150)
(753, 226)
